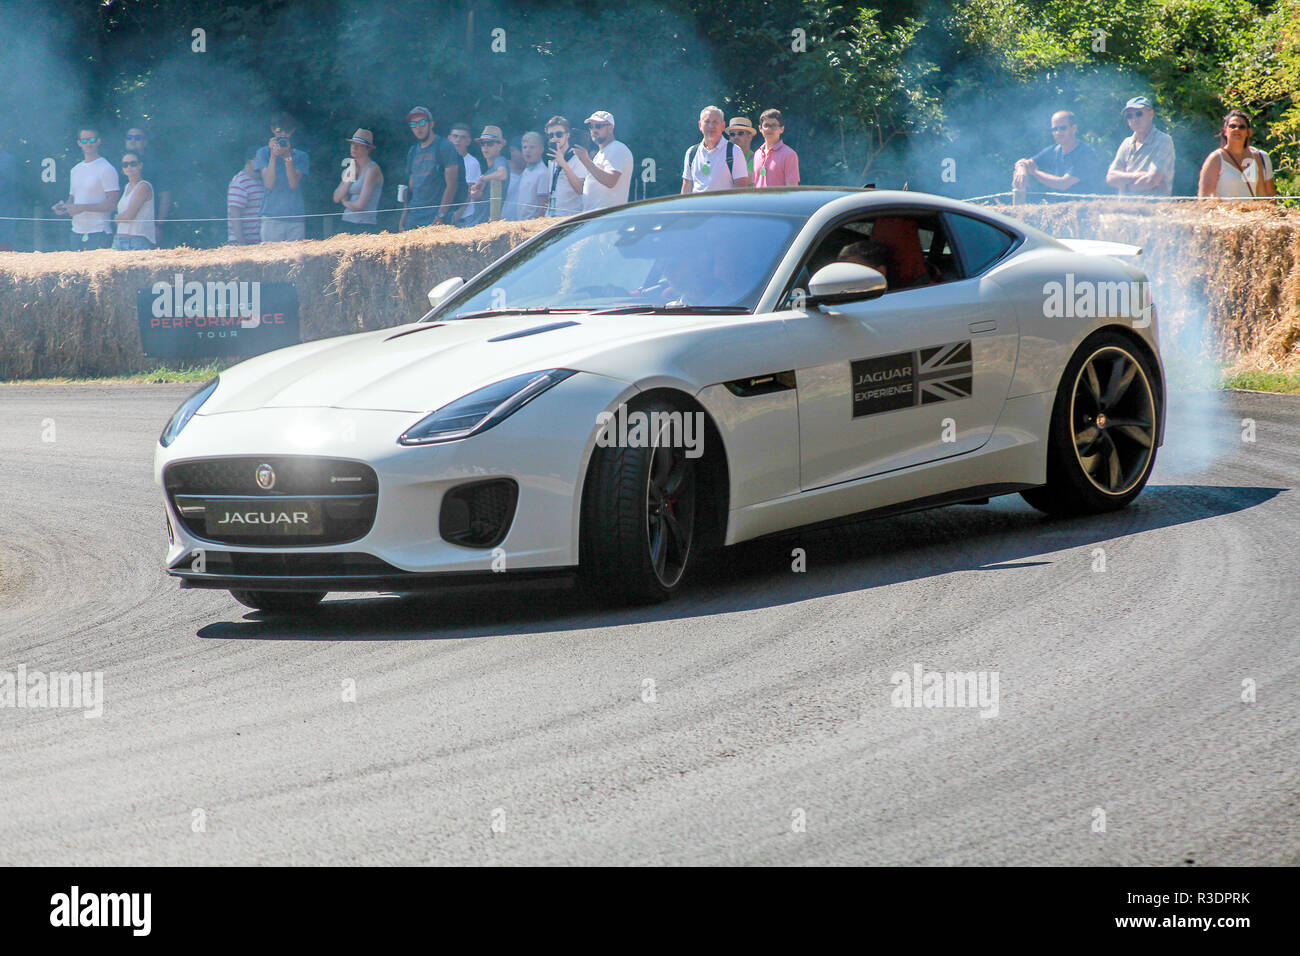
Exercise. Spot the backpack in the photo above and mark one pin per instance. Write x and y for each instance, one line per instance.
(731, 156)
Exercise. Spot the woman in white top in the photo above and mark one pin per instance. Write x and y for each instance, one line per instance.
(135, 215)
(1236, 170)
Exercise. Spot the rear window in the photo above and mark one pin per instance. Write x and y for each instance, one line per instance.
(981, 244)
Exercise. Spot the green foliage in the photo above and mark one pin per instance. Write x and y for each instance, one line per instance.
(869, 92)
(1264, 78)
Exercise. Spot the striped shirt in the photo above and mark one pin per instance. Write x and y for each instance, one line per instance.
(246, 192)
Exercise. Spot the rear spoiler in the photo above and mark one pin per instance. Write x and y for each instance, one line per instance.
(1100, 247)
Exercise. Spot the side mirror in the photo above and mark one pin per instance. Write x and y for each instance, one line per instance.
(439, 293)
(845, 282)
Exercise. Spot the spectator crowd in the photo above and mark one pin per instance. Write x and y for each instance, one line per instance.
(462, 180)
(1144, 161)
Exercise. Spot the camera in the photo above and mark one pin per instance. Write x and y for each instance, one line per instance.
(282, 141)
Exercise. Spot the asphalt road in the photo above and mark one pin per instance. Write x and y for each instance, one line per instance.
(514, 727)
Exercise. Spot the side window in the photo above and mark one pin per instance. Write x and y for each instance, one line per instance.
(981, 244)
(911, 248)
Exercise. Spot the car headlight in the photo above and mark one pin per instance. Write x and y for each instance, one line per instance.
(482, 409)
(182, 416)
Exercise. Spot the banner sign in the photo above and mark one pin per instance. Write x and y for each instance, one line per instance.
(180, 319)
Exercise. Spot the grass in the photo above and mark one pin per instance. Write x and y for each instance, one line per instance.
(1255, 381)
(181, 374)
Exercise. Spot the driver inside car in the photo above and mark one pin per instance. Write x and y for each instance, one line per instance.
(874, 255)
(687, 278)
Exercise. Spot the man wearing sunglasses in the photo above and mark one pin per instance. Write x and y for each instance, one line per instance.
(1067, 166)
(1144, 162)
(609, 169)
(434, 172)
(566, 174)
(93, 194)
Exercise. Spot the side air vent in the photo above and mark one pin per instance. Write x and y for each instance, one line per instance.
(761, 384)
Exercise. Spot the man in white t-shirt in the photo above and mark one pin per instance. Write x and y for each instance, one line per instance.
(609, 171)
(566, 173)
(93, 193)
(461, 136)
(714, 163)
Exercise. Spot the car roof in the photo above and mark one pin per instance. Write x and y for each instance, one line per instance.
(784, 200)
(804, 201)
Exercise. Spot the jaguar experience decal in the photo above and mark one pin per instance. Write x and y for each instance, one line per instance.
(886, 383)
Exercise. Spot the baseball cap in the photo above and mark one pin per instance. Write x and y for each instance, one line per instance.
(419, 111)
(1140, 103)
(600, 116)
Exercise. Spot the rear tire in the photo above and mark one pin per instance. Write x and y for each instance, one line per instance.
(1101, 446)
(638, 517)
(279, 602)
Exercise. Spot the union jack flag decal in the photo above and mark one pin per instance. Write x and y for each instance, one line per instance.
(944, 373)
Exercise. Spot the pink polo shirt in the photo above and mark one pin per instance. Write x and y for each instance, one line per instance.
(778, 168)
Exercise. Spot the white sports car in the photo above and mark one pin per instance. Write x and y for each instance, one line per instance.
(638, 383)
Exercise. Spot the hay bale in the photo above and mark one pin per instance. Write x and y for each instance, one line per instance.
(1225, 275)
(74, 313)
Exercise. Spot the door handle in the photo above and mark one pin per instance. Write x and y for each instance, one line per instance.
(987, 325)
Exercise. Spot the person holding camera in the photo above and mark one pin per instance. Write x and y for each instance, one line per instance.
(283, 168)
(566, 172)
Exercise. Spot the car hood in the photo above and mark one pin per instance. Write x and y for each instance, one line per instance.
(423, 366)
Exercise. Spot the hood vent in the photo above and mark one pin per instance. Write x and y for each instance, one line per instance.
(536, 330)
(419, 328)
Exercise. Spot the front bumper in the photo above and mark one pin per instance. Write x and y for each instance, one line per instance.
(544, 447)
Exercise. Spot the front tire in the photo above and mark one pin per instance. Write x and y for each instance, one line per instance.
(1101, 446)
(279, 602)
(638, 515)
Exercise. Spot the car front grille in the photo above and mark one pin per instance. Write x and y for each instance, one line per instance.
(345, 492)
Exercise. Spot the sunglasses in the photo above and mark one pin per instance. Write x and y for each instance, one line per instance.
(1132, 114)
(598, 125)
(129, 165)
(415, 124)
(741, 132)
(88, 139)
(134, 136)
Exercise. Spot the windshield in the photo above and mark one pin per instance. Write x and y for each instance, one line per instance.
(680, 259)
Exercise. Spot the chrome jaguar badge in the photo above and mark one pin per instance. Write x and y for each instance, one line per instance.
(265, 475)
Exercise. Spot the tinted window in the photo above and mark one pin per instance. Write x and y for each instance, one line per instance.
(981, 244)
